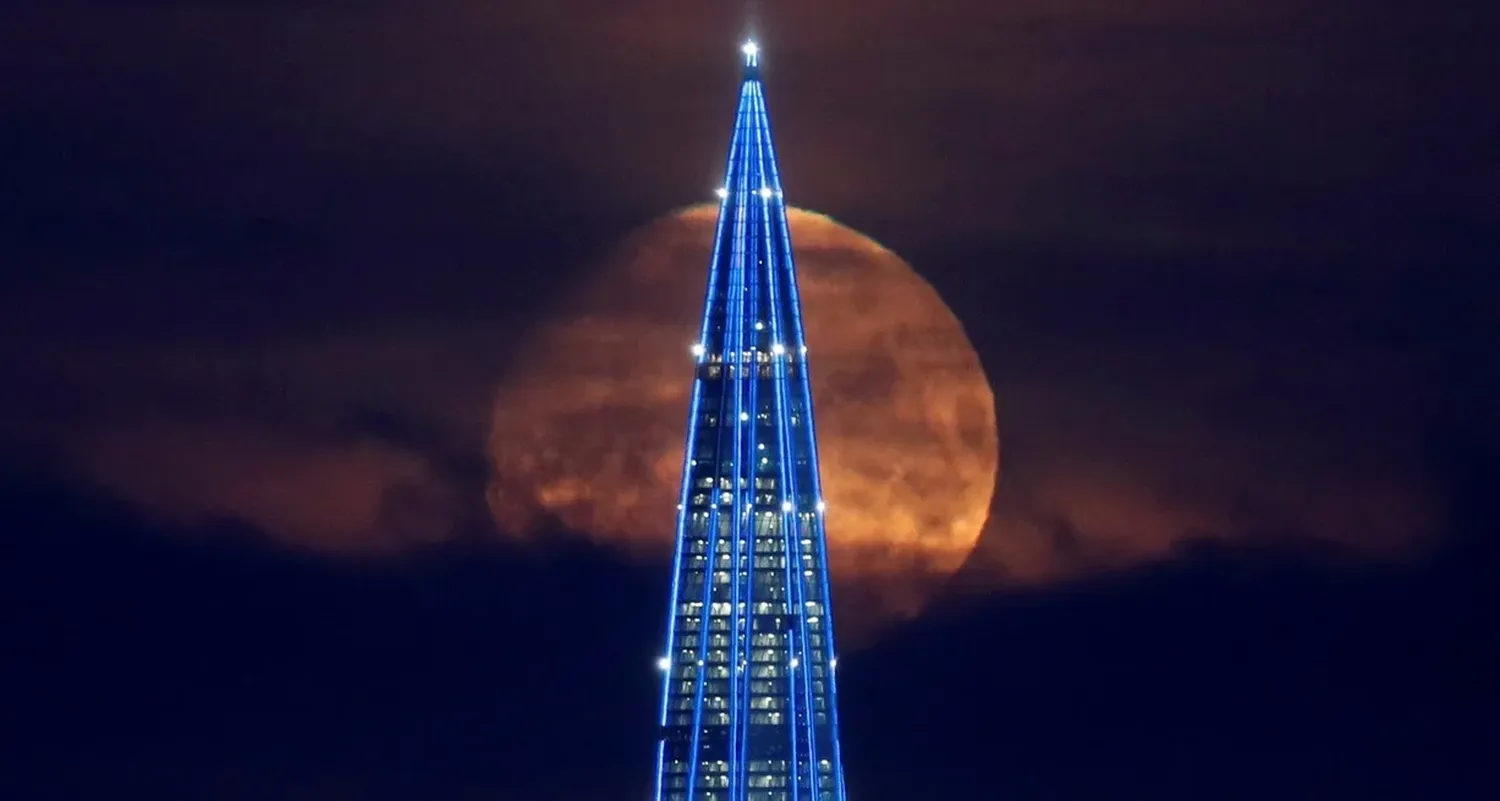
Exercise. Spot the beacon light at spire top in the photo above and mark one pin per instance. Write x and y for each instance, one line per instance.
(752, 53)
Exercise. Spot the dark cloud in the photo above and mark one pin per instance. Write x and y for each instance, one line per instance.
(1222, 261)
(346, 443)
(1226, 264)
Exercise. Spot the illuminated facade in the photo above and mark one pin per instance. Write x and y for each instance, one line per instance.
(749, 708)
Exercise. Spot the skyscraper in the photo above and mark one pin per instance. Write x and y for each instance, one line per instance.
(749, 705)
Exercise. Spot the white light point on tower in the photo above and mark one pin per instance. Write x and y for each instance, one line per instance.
(751, 51)
(664, 664)
(721, 192)
(778, 349)
(698, 349)
(765, 193)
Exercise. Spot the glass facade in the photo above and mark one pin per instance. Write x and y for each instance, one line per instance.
(749, 705)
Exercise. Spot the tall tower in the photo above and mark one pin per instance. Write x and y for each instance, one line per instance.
(749, 708)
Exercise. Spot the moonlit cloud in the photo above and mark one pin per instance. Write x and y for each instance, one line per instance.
(1179, 235)
(356, 497)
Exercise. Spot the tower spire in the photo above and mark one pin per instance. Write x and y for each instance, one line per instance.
(751, 51)
(749, 706)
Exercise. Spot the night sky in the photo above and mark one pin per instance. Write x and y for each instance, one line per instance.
(1226, 264)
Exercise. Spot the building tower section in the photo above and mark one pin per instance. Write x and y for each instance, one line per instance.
(749, 702)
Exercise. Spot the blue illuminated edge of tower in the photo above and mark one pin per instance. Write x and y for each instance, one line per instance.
(752, 106)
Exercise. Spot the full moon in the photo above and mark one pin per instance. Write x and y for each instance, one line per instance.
(588, 430)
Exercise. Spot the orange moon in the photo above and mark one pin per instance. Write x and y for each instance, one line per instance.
(588, 429)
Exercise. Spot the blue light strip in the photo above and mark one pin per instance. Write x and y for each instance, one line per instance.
(727, 384)
(687, 475)
(820, 541)
(742, 263)
(794, 542)
(787, 485)
(746, 465)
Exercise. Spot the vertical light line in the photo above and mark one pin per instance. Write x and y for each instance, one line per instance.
(743, 262)
(743, 385)
(794, 543)
(790, 546)
(683, 512)
(736, 168)
(749, 438)
(746, 464)
(820, 540)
